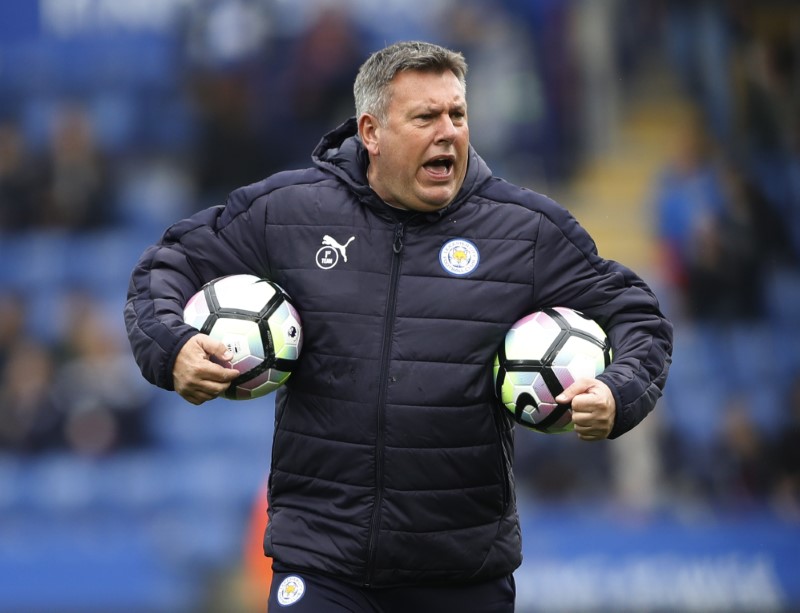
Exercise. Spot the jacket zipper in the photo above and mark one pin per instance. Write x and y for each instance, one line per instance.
(397, 248)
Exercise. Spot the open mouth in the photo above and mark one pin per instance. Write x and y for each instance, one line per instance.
(439, 166)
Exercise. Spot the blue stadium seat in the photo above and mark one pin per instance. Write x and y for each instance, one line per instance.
(12, 481)
(218, 478)
(92, 564)
(784, 309)
(136, 484)
(61, 484)
(34, 260)
(694, 396)
(101, 262)
(218, 424)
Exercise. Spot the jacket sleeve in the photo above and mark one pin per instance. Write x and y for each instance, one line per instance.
(569, 272)
(218, 241)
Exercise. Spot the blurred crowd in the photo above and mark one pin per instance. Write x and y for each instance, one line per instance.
(120, 133)
(726, 212)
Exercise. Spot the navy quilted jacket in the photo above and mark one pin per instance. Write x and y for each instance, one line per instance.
(391, 459)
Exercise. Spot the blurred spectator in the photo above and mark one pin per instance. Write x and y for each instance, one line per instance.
(771, 129)
(689, 201)
(770, 102)
(555, 60)
(726, 272)
(77, 195)
(81, 396)
(30, 415)
(553, 468)
(229, 49)
(786, 495)
(20, 183)
(231, 150)
(221, 34)
(506, 113)
(708, 230)
(12, 324)
(700, 39)
(742, 472)
(105, 406)
(320, 67)
(716, 243)
(601, 85)
(733, 470)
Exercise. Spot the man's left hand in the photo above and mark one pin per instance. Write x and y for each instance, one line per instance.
(593, 408)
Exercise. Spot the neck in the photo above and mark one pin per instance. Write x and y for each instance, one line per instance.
(370, 182)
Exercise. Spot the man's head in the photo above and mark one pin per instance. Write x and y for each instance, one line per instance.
(412, 118)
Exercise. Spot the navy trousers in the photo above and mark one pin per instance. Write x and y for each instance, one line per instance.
(299, 592)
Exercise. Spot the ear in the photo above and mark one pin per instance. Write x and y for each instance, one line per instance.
(368, 130)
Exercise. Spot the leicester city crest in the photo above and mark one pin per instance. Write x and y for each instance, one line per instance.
(291, 590)
(459, 257)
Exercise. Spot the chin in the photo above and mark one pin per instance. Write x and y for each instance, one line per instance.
(433, 205)
(438, 201)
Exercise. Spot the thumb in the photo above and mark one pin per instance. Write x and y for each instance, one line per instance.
(577, 387)
(214, 348)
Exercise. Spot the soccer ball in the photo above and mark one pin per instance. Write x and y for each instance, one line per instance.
(542, 355)
(255, 318)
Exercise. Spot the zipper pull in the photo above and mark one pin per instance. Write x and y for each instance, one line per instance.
(397, 246)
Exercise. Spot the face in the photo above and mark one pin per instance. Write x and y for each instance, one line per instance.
(418, 155)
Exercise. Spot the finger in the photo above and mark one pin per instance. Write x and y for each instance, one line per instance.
(586, 426)
(197, 398)
(215, 348)
(583, 407)
(590, 436)
(216, 373)
(203, 391)
(590, 423)
(570, 392)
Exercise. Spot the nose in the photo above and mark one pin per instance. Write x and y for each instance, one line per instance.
(446, 130)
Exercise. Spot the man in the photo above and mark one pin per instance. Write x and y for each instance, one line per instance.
(391, 486)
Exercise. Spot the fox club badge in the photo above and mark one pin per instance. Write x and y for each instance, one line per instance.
(459, 257)
(291, 590)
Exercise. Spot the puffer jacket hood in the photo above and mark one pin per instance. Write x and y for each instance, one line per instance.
(341, 153)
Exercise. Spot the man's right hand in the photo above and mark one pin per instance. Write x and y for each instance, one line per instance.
(195, 376)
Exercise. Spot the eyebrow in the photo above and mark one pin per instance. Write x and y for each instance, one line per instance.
(435, 108)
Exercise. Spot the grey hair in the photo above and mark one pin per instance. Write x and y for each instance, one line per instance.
(371, 89)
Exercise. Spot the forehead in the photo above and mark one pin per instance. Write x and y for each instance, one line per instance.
(412, 88)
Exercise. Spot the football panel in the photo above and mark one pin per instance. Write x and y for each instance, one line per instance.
(196, 311)
(562, 424)
(531, 337)
(547, 417)
(578, 321)
(263, 384)
(243, 293)
(541, 390)
(245, 364)
(286, 331)
(514, 383)
(579, 358)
